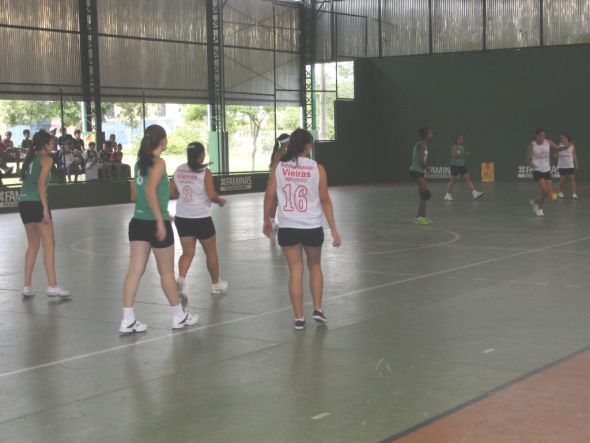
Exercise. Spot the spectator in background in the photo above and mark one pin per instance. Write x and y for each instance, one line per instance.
(61, 141)
(8, 143)
(4, 169)
(78, 140)
(70, 161)
(92, 162)
(111, 143)
(55, 142)
(117, 160)
(25, 145)
(106, 167)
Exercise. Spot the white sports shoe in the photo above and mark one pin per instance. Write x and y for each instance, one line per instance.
(187, 319)
(560, 195)
(27, 291)
(57, 291)
(575, 196)
(535, 207)
(477, 195)
(219, 287)
(132, 327)
(540, 213)
(448, 197)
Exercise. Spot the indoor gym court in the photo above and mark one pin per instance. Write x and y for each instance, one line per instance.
(480, 319)
(471, 330)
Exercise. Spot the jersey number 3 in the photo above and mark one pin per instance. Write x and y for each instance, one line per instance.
(295, 200)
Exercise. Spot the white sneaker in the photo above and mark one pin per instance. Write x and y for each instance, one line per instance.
(535, 207)
(182, 287)
(448, 197)
(219, 287)
(540, 213)
(27, 291)
(477, 195)
(575, 196)
(560, 195)
(132, 327)
(187, 320)
(57, 291)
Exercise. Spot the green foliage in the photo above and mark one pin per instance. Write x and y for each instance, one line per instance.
(183, 135)
(19, 112)
(195, 113)
(132, 113)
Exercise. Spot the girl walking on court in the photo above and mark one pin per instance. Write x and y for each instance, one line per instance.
(34, 211)
(193, 186)
(567, 164)
(458, 169)
(300, 187)
(418, 171)
(538, 156)
(278, 152)
(150, 231)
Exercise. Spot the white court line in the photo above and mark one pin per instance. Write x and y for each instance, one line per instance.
(286, 308)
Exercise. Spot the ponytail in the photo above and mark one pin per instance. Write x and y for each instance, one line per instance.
(298, 140)
(193, 152)
(40, 140)
(153, 136)
(282, 139)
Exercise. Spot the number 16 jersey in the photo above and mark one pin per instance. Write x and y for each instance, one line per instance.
(298, 184)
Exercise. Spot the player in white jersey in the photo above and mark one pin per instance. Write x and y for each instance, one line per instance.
(567, 164)
(300, 188)
(193, 186)
(538, 157)
(278, 151)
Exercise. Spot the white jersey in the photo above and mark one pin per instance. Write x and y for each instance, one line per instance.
(298, 193)
(193, 201)
(541, 156)
(566, 158)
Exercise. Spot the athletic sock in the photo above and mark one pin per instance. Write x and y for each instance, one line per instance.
(128, 314)
(177, 311)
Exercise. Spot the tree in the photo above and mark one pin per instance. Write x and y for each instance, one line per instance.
(253, 117)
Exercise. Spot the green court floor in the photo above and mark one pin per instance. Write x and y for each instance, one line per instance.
(421, 320)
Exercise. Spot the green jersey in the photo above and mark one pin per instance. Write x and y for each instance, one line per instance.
(29, 191)
(142, 207)
(416, 166)
(458, 161)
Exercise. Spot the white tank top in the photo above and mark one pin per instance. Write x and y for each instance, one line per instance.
(541, 156)
(298, 193)
(193, 201)
(566, 158)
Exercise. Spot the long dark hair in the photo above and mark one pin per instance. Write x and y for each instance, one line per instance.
(278, 142)
(40, 140)
(193, 151)
(153, 136)
(567, 136)
(298, 140)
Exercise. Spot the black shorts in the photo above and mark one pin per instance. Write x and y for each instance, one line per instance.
(416, 175)
(567, 171)
(200, 228)
(306, 237)
(541, 175)
(459, 171)
(145, 230)
(31, 212)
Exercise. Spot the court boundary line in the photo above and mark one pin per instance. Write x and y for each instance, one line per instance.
(484, 396)
(285, 308)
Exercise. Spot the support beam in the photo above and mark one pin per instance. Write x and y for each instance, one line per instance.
(90, 69)
(214, 9)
